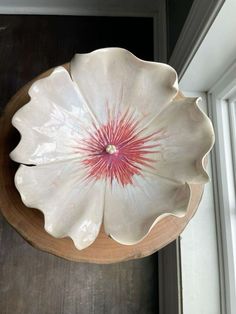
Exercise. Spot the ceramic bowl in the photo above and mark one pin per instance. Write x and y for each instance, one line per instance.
(110, 141)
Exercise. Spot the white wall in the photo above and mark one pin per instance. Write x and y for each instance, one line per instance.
(199, 255)
(216, 53)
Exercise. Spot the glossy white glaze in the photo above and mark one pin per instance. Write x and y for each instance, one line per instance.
(109, 144)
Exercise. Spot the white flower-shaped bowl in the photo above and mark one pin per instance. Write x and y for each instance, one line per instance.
(109, 141)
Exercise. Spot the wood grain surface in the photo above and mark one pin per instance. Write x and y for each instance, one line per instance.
(33, 282)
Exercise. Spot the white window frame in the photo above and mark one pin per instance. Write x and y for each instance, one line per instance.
(221, 105)
(199, 250)
(199, 72)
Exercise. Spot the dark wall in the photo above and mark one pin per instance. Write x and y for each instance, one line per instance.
(177, 12)
(29, 45)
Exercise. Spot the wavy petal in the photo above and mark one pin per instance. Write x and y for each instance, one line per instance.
(53, 123)
(72, 206)
(184, 135)
(131, 211)
(113, 81)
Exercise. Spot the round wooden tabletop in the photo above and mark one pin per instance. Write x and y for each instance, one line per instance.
(30, 222)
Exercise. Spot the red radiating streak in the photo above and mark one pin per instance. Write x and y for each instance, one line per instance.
(131, 150)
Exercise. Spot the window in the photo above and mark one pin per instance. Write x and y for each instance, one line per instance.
(222, 108)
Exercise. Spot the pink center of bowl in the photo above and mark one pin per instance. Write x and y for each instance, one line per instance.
(117, 150)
